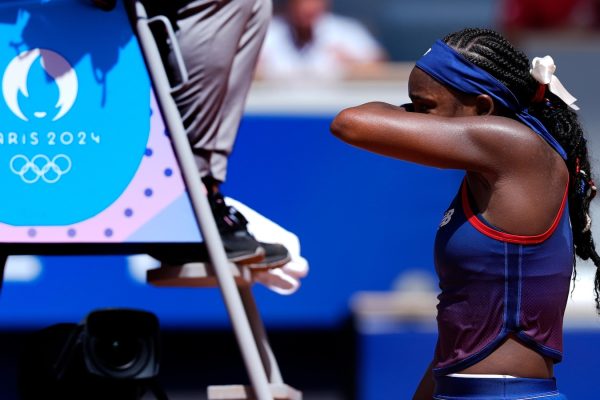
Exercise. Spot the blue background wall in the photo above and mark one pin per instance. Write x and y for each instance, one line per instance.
(391, 363)
(362, 219)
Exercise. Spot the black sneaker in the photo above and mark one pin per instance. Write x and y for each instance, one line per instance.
(241, 247)
(276, 256)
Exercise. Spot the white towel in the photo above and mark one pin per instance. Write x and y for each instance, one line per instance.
(284, 280)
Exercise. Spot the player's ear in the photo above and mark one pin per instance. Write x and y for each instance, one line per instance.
(484, 105)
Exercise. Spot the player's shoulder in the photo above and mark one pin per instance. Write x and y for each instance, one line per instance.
(504, 133)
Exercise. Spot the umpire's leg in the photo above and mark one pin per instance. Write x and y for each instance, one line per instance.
(220, 41)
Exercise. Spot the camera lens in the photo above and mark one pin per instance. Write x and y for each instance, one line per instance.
(117, 353)
(120, 344)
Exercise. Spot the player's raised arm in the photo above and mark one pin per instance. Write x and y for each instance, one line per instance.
(468, 137)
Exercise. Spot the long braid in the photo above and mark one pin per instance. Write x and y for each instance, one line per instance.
(492, 52)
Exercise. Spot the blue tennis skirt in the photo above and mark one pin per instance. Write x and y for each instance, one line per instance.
(459, 388)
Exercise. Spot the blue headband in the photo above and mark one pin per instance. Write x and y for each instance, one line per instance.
(450, 68)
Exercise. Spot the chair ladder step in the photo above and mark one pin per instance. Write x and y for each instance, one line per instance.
(280, 391)
(194, 275)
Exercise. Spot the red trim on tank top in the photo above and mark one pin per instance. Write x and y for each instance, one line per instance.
(507, 237)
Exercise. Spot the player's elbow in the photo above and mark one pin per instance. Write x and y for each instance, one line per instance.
(345, 125)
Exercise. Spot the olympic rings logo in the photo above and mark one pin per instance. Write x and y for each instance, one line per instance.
(40, 167)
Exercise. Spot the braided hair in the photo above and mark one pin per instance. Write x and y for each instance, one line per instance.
(492, 52)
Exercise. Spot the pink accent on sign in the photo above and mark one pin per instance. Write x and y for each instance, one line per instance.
(157, 184)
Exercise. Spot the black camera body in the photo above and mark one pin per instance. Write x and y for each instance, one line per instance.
(113, 353)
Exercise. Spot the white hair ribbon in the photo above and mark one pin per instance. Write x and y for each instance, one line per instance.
(543, 71)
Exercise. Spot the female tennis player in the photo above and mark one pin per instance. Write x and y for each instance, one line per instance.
(504, 251)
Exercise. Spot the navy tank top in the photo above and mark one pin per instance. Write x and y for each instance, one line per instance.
(495, 284)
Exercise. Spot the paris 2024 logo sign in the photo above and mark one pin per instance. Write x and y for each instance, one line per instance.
(69, 142)
(40, 167)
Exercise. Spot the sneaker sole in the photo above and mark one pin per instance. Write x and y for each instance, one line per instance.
(253, 258)
(268, 265)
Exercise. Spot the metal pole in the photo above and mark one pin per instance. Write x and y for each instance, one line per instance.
(260, 335)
